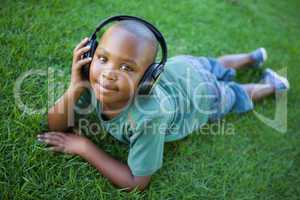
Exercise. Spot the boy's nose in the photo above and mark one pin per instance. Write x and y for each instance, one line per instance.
(109, 75)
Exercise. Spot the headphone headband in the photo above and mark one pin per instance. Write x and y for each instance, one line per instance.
(156, 33)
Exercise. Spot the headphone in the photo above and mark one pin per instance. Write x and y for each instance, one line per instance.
(152, 73)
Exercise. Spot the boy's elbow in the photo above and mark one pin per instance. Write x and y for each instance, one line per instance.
(140, 183)
(54, 124)
(140, 188)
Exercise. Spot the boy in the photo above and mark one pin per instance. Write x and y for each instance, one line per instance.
(190, 92)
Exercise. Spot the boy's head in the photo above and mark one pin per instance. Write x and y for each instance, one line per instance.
(124, 53)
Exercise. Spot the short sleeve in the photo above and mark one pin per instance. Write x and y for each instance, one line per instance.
(146, 148)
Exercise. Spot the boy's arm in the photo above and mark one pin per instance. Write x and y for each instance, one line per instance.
(117, 172)
(61, 114)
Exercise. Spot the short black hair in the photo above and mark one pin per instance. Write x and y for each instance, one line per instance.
(140, 30)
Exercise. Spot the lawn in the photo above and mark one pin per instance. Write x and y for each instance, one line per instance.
(255, 161)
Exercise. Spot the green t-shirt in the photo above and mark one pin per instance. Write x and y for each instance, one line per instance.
(177, 106)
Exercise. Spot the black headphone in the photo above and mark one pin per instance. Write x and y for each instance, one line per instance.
(152, 73)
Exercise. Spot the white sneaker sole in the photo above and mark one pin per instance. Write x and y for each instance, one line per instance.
(264, 56)
(281, 78)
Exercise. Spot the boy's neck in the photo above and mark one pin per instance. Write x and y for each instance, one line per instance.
(110, 111)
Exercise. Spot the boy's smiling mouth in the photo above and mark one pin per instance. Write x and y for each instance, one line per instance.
(105, 88)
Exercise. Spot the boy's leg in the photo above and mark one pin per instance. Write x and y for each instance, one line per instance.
(271, 83)
(239, 61)
(238, 97)
(236, 61)
(258, 91)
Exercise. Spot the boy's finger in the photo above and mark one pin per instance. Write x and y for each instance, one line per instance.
(52, 133)
(50, 140)
(55, 148)
(81, 51)
(82, 43)
(54, 136)
(84, 61)
(62, 135)
(49, 135)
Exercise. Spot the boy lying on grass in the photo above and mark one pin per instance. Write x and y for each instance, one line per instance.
(190, 92)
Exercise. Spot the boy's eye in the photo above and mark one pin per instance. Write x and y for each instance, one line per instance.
(125, 67)
(102, 59)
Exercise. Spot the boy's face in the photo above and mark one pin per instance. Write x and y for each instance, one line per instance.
(118, 65)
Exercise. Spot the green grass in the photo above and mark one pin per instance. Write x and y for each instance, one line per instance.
(257, 162)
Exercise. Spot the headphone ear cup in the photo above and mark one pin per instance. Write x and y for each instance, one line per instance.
(94, 45)
(147, 82)
(86, 68)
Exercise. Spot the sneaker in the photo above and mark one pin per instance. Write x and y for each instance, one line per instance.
(280, 83)
(259, 56)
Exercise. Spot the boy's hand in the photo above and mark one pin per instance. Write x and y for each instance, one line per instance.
(78, 63)
(66, 143)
